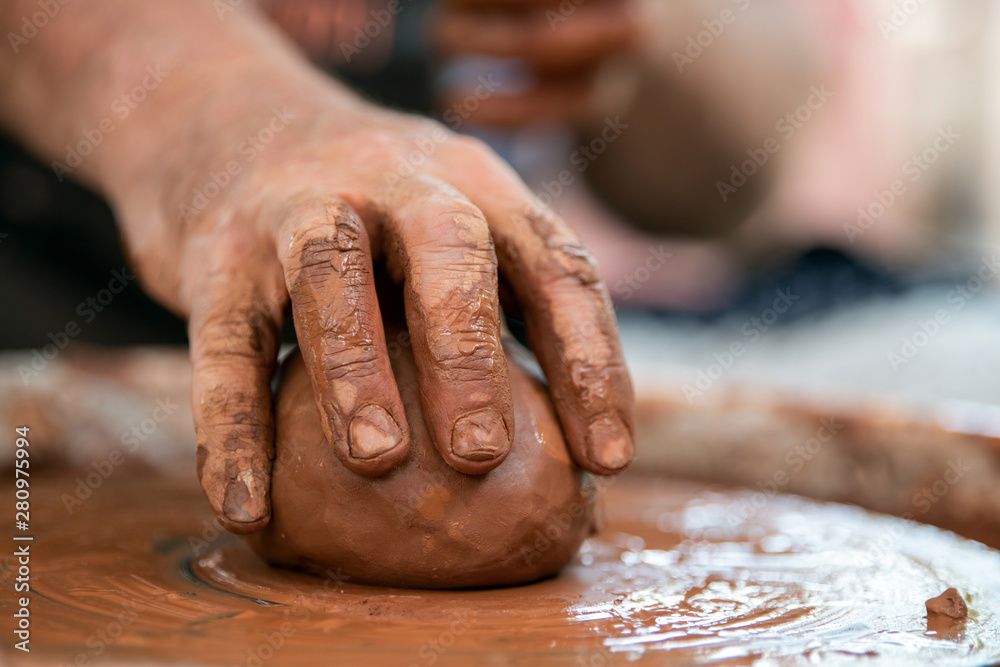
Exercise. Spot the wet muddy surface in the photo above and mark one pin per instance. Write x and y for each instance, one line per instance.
(682, 572)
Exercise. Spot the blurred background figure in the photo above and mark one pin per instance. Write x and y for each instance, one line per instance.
(851, 135)
(708, 152)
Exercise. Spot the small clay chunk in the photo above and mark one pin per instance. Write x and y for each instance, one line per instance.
(950, 604)
(424, 525)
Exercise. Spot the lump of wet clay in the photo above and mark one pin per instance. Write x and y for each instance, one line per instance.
(950, 604)
(425, 525)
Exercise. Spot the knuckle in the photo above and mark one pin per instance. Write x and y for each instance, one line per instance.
(345, 330)
(350, 361)
(466, 225)
(470, 357)
(214, 461)
(569, 259)
(421, 126)
(228, 420)
(455, 236)
(246, 333)
(452, 209)
(462, 336)
(217, 403)
(455, 262)
(572, 265)
(590, 364)
(338, 238)
(462, 302)
(475, 149)
(587, 331)
(310, 271)
(592, 384)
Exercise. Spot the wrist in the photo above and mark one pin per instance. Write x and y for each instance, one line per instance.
(221, 122)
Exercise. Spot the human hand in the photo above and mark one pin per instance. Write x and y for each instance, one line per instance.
(562, 43)
(308, 199)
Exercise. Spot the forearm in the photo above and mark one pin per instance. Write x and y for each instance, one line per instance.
(124, 80)
(143, 100)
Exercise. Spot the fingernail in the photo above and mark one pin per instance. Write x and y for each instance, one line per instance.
(479, 436)
(246, 499)
(609, 442)
(373, 432)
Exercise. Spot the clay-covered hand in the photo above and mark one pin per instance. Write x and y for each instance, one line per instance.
(296, 201)
(563, 43)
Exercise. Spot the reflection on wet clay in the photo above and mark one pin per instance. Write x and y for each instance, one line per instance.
(671, 580)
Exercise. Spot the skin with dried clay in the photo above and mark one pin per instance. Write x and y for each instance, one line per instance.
(300, 224)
